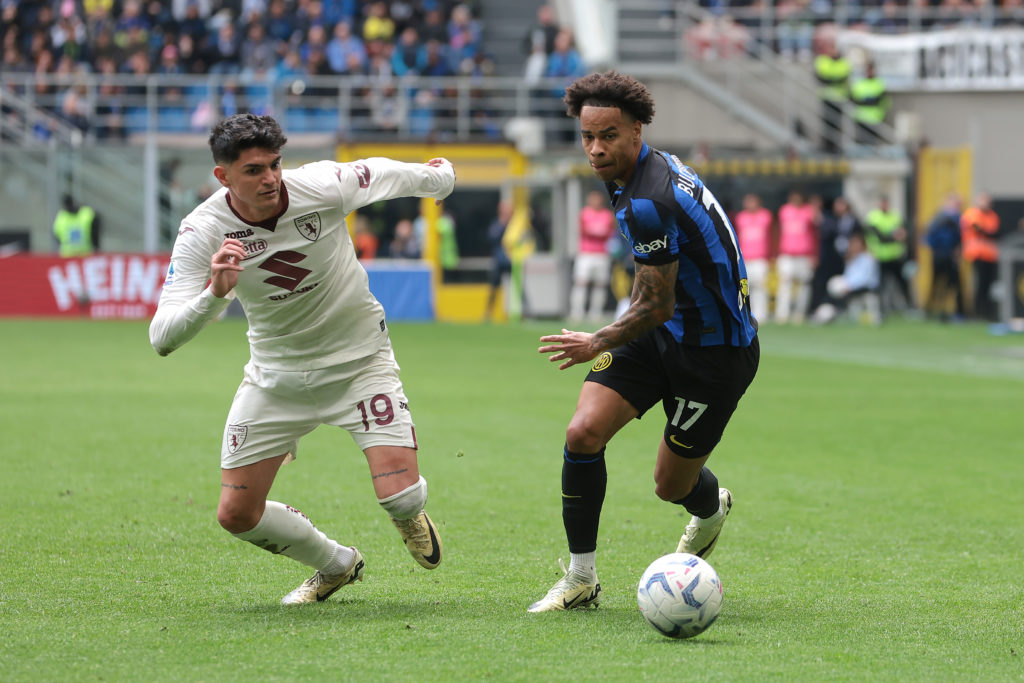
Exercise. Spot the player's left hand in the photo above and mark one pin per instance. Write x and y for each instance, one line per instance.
(440, 161)
(572, 347)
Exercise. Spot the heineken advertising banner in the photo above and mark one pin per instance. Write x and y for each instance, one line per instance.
(947, 60)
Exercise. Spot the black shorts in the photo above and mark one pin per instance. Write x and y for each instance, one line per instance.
(698, 386)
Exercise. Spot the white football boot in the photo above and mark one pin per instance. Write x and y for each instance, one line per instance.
(421, 539)
(319, 587)
(572, 591)
(701, 535)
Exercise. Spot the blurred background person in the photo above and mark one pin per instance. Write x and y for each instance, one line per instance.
(837, 226)
(501, 266)
(943, 238)
(754, 230)
(798, 225)
(887, 241)
(979, 226)
(593, 264)
(76, 229)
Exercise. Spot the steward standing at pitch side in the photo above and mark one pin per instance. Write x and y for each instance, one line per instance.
(320, 351)
(687, 339)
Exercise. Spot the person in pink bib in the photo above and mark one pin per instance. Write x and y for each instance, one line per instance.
(798, 227)
(754, 229)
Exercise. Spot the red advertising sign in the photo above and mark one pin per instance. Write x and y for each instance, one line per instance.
(125, 286)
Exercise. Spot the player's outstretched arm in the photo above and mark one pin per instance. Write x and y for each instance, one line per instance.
(377, 179)
(653, 303)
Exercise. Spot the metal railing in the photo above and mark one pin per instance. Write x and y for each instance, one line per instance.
(113, 108)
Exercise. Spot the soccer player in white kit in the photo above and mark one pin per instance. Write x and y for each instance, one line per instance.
(320, 352)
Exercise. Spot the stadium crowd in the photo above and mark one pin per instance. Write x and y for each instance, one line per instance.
(261, 47)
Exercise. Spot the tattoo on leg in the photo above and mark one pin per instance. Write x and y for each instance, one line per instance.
(236, 487)
(388, 474)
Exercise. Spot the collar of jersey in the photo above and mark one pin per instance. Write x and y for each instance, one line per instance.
(270, 223)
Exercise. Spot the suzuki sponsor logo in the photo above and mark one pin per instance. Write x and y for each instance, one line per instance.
(652, 246)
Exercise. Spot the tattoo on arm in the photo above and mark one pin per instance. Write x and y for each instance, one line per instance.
(388, 474)
(236, 487)
(651, 304)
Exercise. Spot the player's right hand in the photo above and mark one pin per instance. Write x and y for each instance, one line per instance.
(225, 266)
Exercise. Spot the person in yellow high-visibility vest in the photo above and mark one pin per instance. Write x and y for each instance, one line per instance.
(519, 244)
(832, 71)
(887, 241)
(76, 229)
(870, 97)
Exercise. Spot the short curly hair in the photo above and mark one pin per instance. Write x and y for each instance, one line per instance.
(235, 134)
(610, 89)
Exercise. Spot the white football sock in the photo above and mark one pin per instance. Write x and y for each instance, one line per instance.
(283, 530)
(583, 564)
(408, 502)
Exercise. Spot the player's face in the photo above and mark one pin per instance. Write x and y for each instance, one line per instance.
(254, 181)
(611, 141)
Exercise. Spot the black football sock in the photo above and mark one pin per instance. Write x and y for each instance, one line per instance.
(584, 479)
(702, 501)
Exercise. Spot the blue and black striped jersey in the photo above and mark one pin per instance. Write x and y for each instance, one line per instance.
(666, 213)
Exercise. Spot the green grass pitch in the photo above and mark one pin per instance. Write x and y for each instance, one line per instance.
(877, 532)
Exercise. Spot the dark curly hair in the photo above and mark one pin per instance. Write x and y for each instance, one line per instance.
(235, 134)
(610, 89)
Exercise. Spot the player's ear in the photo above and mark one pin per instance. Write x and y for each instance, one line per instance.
(221, 174)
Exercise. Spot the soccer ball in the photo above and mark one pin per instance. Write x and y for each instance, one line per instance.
(680, 595)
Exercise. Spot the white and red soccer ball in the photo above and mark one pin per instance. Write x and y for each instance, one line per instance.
(680, 595)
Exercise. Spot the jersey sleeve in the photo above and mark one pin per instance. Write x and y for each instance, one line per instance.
(653, 232)
(372, 180)
(186, 304)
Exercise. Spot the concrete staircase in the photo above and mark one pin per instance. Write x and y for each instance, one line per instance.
(505, 25)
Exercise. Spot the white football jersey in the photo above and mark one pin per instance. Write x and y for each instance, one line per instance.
(306, 297)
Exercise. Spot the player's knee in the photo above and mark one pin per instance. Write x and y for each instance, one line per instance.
(237, 519)
(408, 502)
(583, 436)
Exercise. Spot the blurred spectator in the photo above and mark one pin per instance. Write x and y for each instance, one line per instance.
(592, 268)
(834, 235)
(76, 229)
(943, 238)
(435, 61)
(856, 290)
(409, 55)
(388, 107)
(794, 30)
(542, 33)
(404, 244)
(870, 97)
(316, 40)
(365, 241)
(887, 241)
(281, 25)
(501, 266)
(433, 27)
(979, 226)
(798, 226)
(193, 23)
(225, 54)
(378, 24)
(448, 246)
(754, 230)
(464, 36)
(345, 52)
(832, 70)
(257, 54)
(564, 63)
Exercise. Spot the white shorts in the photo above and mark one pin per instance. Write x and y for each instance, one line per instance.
(592, 267)
(272, 409)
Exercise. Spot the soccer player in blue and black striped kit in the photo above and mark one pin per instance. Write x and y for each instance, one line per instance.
(687, 340)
